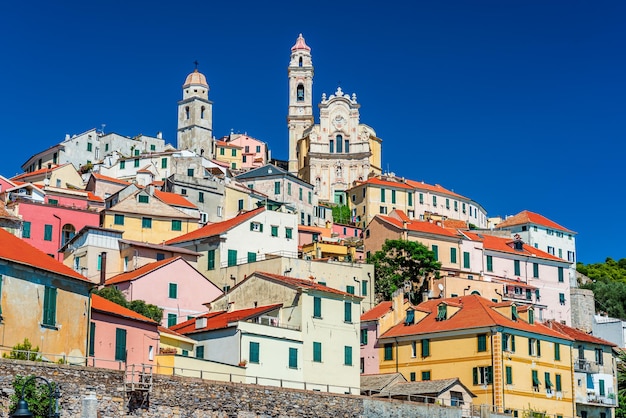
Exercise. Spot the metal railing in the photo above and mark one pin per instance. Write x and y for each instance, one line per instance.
(587, 366)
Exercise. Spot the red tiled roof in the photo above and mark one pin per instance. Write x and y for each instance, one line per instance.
(221, 319)
(164, 330)
(109, 179)
(418, 226)
(299, 283)
(38, 172)
(91, 196)
(528, 217)
(325, 232)
(491, 242)
(401, 215)
(226, 145)
(217, 228)
(377, 311)
(14, 249)
(173, 199)
(377, 181)
(436, 188)
(577, 334)
(454, 223)
(141, 271)
(475, 312)
(103, 305)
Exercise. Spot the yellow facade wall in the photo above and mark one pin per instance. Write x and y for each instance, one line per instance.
(160, 231)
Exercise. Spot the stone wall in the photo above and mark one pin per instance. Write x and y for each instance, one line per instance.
(583, 308)
(181, 397)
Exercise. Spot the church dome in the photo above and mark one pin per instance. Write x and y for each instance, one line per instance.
(196, 78)
(300, 44)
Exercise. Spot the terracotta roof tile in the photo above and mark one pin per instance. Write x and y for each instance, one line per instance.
(528, 217)
(475, 312)
(577, 334)
(173, 199)
(221, 319)
(141, 271)
(38, 172)
(418, 226)
(300, 283)
(14, 249)
(436, 188)
(101, 304)
(98, 176)
(491, 242)
(217, 228)
(377, 311)
(377, 181)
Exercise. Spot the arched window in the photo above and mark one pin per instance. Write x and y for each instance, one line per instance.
(300, 93)
(300, 62)
(475, 292)
(202, 112)
(339, 139)
(67, 232)
(187, 112)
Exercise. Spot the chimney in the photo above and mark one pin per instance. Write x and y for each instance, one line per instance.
(103, 267)
(201, 322)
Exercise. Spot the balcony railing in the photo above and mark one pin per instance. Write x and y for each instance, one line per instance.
(586, 366)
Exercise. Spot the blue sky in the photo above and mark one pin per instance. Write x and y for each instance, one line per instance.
(515, 104)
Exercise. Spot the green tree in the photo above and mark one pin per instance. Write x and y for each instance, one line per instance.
(341, 214)
(24, 351)
(608, 282)
(113, 294)
(146, 309)
(36, 394)
(399, 261)
(620, 412)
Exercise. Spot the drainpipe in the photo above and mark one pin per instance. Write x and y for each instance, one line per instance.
(493, 385)
(60, 235)
(103, 267)
(396, 354)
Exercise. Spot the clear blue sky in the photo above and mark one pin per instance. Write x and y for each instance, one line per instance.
(515, 104)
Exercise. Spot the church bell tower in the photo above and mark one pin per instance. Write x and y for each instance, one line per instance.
(195, 116)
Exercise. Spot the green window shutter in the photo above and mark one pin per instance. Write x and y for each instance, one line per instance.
(288, 233)
(232, 258)
(251, 226)
(509, 375)
(99, 266)
(274, 231)
(260, 227)
(425, 348)
(347, 311)
(516, 267)
(453, 255)
(310, 197)
(388, 351)
(177, 225)
(482, 342)
(489, 375)
(489, 263)
(410, 198)
(562, 298)
(466, 259)
(393, 196)
(475, 375)
(163, 162)
(300, 193)
(557, 378)
(136, 164)
(317, 307)
(118, 219)
(435, 249)
(171, 319)
(347, 355)
(146, 223)
(535, 270)
(421, 198)
(435, 201)
(289, 189)
(26, 229)
(426, 375)
(254, 352)
(143, 198)
(447, 203)
(200, 352)
(185, 353)
(50, 306)
(364, 285)
(92, 338)
(364, 336)
(120, 344)
(547, 380)
(277, 187)
(251, 257)
(211, 258)
(47, 232)
(122, 165)
(535, 378)
(560, 274)
(152, 147)
(531, 316)
(317, 352)
(513, 343)
(222, 151)
(350, 289)
(293, 358)
(412, 376)
(89, 146)
(382, 195)
(173, 291)
(557, 351)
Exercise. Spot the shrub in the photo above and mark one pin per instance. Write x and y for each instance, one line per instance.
(36, 393)
(24, 351)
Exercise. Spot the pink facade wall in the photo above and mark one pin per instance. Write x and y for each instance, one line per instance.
(68, 201)
(140, 336)
(193, 289)
(244, 141)
(346, 231)
(40, 215)
(369, 351)
(4, 185)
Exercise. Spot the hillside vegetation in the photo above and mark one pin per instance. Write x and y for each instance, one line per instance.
(608, 282)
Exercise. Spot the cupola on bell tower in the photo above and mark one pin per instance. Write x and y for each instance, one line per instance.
(195, 116)
(300, 114)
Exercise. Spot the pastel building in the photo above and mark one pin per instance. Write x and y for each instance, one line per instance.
(229, 153)
(254, 153)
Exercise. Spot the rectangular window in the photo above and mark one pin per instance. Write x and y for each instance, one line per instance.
(466, 259)
(99, 265)
(251, 257)
(173, 291)
(288, 188)
(190, 172)
(277, 187)
(489, 263)
(239, 205)
(331, 146)
(136, 162)
(557, 381)
(300, 193)
(146, 223)
(435, 201)
(92, 338)
(232, 258)
(53, 201)
(310, 197)
(382, 195)
(293, 358)
(509, 375)
(171, 319)
(350, 289)
(347, 311)
(426, 375)
(412, 376)
(289, 233)
(364, 285)
(200, 351)
(47, 232)
(435, 249)
(177, 225)
(447, 203)
(317, 352)
(562, 298)
(482, 375)
(89, 146)
(535, 380)
(410, 198)
(233, 152)
(211, 260)
(222, 151)
(547, 381)
(456, 206)
(364, 337)
(317, 307)
(274, 231)
(482, 342)
(163, 162)
(453, 255)
(254, 352)
(143, 198)
(26, 229)
(201, 197)
(534, 347)
(535, 270)
(50, 306)
(393, 196)
(421, 196)
(347, 355)
(560, 274)
(557, 351)
(425, 348)
(118, 219)
(122, 165)
(516, 267)
(388, 351)
(120, 344)
(599, 356)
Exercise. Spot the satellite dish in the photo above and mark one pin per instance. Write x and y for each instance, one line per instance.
(440, 287)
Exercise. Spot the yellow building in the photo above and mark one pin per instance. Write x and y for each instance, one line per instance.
(230, 154)
(147, 218)
(497, 350)
(379, 196)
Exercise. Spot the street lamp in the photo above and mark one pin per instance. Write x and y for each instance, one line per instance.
(22, 406)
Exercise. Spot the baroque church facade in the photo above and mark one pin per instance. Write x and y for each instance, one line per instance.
(338, 151)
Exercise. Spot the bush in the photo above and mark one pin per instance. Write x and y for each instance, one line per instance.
(36, 393)
(24, 351)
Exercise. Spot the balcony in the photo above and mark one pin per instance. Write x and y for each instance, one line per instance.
(603, 400)
(586, 366)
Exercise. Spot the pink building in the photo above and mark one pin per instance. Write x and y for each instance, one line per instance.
(346, 231)
(119, 336)
(171, 284)
(370, 330)
(254, 152)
